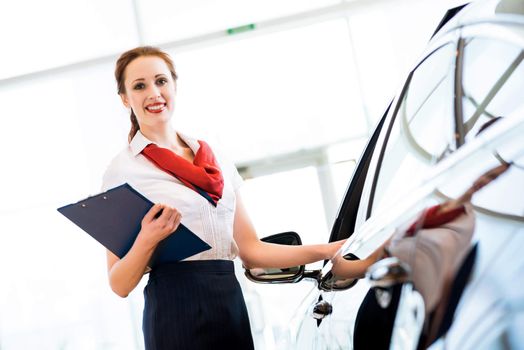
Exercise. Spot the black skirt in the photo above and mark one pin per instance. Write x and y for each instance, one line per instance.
(195, 305)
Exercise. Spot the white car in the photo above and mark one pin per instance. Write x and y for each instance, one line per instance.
(424, 151)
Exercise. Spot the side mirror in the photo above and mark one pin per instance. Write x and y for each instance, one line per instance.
(278, 275)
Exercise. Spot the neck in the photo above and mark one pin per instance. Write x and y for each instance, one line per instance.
(164, 137)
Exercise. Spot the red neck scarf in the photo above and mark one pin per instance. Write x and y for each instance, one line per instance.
(203, 175)
(430, 219)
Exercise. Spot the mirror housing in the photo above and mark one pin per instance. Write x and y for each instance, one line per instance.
(278, 275)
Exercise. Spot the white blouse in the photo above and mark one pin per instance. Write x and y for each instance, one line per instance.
(212, 224)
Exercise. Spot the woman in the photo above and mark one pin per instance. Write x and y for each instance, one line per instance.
(196, 303)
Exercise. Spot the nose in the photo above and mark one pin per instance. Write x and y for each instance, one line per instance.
(153, 93)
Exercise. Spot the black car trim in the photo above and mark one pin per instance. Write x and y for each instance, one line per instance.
(448, 16)
(345, 221)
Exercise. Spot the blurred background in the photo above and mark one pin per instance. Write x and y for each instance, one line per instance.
(289, 89)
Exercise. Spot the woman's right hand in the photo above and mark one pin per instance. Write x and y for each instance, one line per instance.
(125, 274)
(159, 222)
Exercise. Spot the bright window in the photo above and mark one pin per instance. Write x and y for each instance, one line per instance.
(272, 94)
(287, 201)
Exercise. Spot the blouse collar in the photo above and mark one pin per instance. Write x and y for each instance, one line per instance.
(139, 142)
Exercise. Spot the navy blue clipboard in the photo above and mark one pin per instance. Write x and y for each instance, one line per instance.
(114, 219)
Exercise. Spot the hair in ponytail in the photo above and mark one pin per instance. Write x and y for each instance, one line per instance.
(134, 126)
(121, 64)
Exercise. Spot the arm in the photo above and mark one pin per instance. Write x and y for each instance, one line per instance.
(430, 218)
(255, 253)
(479, 183)
(356, 268)
(124, 274)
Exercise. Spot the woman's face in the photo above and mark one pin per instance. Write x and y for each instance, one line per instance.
(149, 91)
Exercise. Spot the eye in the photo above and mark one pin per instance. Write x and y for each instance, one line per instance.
(139, 86)
(161, 81)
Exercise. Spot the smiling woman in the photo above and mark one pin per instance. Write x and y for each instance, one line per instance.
(196, 303)
(144, 62)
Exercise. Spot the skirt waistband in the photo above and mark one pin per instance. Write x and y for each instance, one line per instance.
(196, 266)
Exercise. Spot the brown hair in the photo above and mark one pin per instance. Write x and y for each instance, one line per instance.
(124, 60)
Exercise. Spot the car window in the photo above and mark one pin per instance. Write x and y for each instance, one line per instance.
(423, 128)
(492, 87)
(493, 82)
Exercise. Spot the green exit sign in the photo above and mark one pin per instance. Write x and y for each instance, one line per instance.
(241, 29)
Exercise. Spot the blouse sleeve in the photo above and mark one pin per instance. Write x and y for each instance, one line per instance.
(236, 179)
(112, 177)
(229, 170)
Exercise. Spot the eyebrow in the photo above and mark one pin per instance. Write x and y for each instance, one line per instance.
(141, 79)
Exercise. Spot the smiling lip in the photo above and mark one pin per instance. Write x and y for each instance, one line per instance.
(156, 108)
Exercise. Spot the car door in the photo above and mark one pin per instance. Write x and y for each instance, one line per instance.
(426, 87)
(468, 78)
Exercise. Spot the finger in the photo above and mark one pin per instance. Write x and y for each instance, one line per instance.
(167, 221)
(166, 214)
(176, 216)
(176, 221)
(155, 209)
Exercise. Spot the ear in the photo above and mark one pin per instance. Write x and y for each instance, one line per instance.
(125, 101)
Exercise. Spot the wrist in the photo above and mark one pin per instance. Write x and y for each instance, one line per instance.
(330, 251)
(144, 242)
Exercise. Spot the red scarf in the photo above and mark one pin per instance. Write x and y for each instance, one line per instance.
(203, 175)
(430, 218)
